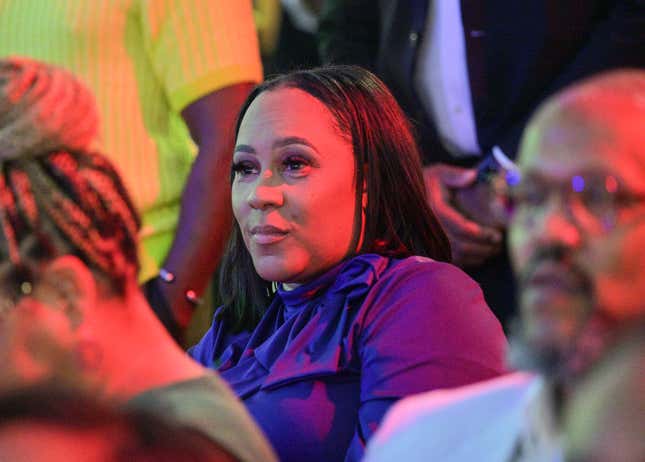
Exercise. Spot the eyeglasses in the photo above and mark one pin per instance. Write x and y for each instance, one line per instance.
(596, 203)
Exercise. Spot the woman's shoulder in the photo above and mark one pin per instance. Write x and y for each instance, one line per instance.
(385, 266)
(427, 287)
(415, 273)
(423, 273)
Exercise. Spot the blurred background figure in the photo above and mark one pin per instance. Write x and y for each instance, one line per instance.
(47, 422)
(469, 73)
(165, 75)
(577, 241)
(71, 303)
(287, 31)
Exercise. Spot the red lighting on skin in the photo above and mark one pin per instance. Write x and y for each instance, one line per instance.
(611, 185)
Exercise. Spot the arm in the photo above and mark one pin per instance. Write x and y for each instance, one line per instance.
(205, 54)
(425, 326)
(462, 205)
(349, 33)
(205, 217)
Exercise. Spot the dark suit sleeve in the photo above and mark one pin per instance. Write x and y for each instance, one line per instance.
(348, 32)
(616, 42)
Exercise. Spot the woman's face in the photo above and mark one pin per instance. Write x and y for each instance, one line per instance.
(293, 193)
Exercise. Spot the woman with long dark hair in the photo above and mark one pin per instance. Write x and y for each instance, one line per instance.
(338, 295)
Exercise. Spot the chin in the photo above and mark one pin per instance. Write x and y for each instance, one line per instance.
(531, 350)
(547, 330)
(276, 269)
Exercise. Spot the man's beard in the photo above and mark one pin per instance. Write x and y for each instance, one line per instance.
(537, 352)
(564, 365)
(525, 355)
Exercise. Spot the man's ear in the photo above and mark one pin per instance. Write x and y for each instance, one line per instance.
(69, 283)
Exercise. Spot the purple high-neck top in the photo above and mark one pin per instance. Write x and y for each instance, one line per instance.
(328, 359)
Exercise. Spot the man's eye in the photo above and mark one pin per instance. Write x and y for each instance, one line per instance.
(529, 197)
(593, 197)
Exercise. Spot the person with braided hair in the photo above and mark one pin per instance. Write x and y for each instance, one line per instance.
(71, 304)
(169, 77)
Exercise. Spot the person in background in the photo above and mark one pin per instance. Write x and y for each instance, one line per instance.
(577, 241)
(165, 75)
(470, 73)
(338, 295)
(47, 422)
(68, 274)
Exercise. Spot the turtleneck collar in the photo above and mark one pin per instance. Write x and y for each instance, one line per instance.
(295, 300)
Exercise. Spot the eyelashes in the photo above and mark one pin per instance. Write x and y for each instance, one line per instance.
(296, 163)
(291, 165)
(243, 168)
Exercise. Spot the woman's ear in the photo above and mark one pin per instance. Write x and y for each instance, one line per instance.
(67, 282)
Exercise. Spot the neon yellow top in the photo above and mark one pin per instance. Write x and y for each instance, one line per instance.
(145, 60)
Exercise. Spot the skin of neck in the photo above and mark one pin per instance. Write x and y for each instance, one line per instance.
(135, 351)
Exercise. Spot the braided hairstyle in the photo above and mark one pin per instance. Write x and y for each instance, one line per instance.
(57, 197)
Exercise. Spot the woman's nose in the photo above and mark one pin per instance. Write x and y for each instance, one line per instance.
(266, 191)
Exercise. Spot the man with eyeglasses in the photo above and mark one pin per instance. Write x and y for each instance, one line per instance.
(577, 241)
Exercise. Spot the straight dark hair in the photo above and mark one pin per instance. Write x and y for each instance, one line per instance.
(398, 220)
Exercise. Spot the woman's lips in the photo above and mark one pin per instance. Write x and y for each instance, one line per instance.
(267, 234)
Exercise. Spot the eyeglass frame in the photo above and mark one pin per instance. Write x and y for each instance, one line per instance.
(617, 198)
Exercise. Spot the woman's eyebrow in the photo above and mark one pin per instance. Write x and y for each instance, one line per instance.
(279, 143)
(244, 148)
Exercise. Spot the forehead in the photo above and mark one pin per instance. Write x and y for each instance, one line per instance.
(565, 141)
(288, 112)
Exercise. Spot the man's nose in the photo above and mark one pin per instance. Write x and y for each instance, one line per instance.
(556, 225)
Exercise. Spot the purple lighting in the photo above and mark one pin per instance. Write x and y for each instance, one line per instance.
(578, 183)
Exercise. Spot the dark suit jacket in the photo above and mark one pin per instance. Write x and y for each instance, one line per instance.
(518, 52)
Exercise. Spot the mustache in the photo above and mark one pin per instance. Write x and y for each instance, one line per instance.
(560, 257)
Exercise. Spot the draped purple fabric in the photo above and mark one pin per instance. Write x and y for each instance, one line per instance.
(328, 358)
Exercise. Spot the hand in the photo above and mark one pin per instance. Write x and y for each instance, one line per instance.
(483, 203)
(472, 242)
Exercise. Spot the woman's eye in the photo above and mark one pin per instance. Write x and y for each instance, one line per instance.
(244, 168)
(296, 165)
